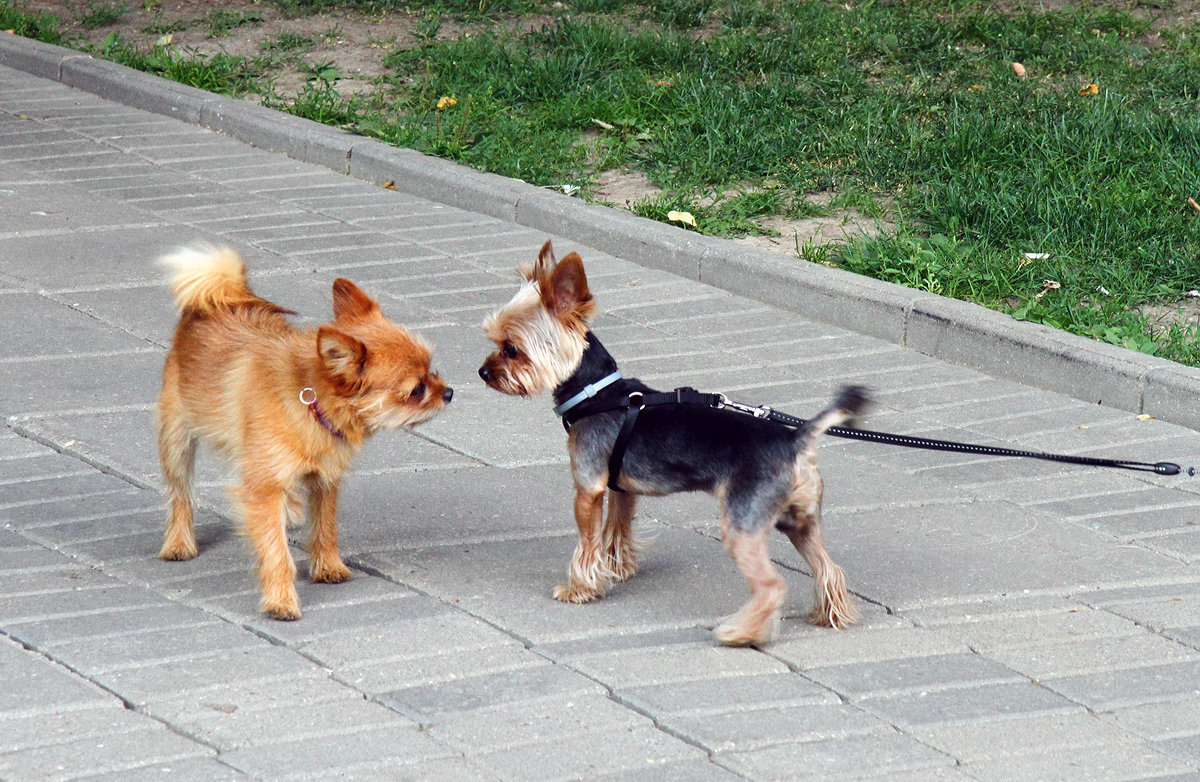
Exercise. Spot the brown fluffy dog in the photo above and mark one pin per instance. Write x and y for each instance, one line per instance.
(287, 407)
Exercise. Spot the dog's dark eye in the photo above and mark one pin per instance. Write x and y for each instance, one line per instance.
(510, 351)
(418, 391)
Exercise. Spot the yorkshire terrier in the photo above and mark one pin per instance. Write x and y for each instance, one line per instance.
(287, 407)
(762, 472)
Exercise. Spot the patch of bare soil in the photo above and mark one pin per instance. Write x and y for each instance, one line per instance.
(782, 234)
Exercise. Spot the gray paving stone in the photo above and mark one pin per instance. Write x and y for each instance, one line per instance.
(691, 771)
(415, 627)
(913, 674)
(1048, 660)
(723, 696)
(589, 757)
(127, 620)
(1013, 738)
(538, 722)
(33, 685)
(1110, 762)
(327, 754)
(454, 768)
(987, 633)
(228, 726)
(40, 491)
(27, 559)
(988, 702)
(890, 640)
(376, 677)
(65, 605)
(510, 583)
(623, 670)
(151, 744)
(95, 656)
(435, 703)
(979, 549)
(263, 661)
(104, 719)
(286, 694)
(839, 758)
(1184, 546)
(112, 380)
(1164, 720)
(1114, 689)
(187, 770)
(773, 726)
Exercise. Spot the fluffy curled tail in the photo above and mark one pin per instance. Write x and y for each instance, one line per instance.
(850, 402)
(207, 279)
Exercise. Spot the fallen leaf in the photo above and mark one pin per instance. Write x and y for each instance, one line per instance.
(1090, 89)
(1047, 285)
(69, 443)
(1195, 205)
(1019, 69)
(165, 40)
(602, 124)
(1145, 417)
(975, 87)
(682, 217)
(390, 184)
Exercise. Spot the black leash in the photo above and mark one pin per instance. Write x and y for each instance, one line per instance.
(638, 401)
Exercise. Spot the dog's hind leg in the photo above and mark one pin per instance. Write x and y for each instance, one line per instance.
(755, 621)
(177, 453)
(832, 606)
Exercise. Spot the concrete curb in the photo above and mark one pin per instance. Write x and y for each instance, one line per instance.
(947, 329)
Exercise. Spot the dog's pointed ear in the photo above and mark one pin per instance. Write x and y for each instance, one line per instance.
(343, 355)
(543, 266)
(349, 301)
(565, 293)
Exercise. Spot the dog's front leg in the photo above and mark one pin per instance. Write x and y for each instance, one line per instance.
(589, 575)
(264, 509)
(325, 563)
(620, 546)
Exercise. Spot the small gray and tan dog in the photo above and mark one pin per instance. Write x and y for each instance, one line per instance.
(764, 474)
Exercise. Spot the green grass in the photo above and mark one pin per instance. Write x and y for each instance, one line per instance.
(908, 109)
(29, 24)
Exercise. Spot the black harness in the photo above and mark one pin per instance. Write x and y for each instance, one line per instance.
(636, 402)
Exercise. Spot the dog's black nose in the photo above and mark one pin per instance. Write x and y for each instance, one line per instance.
(447, 395)
(485, 373)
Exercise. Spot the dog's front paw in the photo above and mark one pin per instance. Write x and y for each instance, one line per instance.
(285, 608)
(329, 573)
(576, 593)
(178, 551)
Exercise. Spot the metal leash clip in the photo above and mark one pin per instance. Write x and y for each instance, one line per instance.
(757, 412)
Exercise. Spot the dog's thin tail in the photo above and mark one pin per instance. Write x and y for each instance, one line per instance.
(850, 402)
(206, 279)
